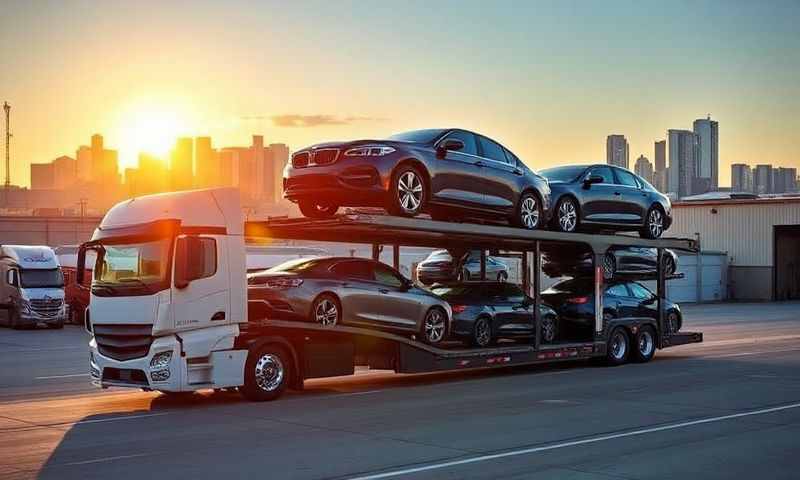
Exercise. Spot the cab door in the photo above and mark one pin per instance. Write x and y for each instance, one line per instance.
(201, 295)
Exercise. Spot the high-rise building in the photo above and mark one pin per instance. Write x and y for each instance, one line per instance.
(762, 179)
(42, 176)
(660, 167)
(229, 167)
(741, 178)
(280, 158)
(644, 168)
(83, 157)
(206, 163)
(257, 154)
(682, 162)
(97, 157)
(617, 151)
(64, 172)
(181, 171)
(707, 156)
(785, 180)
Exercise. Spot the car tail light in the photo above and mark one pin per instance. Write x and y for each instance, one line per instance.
(280, 283)
(578, 300)
(458, 308)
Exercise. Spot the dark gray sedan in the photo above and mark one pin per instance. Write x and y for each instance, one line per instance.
(348, 291)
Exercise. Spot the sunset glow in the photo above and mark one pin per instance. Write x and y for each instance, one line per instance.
(150, 126)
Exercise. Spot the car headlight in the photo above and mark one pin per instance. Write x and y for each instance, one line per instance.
(369, 151)
(160, 360)
(24, 306)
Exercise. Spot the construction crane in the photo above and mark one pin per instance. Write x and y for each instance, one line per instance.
(7, 183)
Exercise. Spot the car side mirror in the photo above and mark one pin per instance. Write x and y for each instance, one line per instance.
(592, 179)
(453, 144)
(189, 258)
(12, 277)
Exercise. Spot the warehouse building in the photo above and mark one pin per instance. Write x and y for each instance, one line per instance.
(760, 235)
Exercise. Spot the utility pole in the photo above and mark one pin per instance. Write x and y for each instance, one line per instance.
(7, 109)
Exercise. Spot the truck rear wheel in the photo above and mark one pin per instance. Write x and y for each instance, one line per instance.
(268, 371)
(644, 344)
(619, 345)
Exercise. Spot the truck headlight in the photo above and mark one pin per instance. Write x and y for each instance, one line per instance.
(160, 360)
(24, 307)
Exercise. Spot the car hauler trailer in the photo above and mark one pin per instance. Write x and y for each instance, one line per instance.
(169, 299)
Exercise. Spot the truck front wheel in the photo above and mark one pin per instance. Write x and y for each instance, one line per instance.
(268, 371)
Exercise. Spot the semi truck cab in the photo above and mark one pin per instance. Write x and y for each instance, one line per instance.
(168, 292)
(31, 287)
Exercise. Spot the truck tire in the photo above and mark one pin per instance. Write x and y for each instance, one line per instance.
(644, 344)
(619, 346)
(268, 370)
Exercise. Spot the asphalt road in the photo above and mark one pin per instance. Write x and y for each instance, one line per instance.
(729, 408)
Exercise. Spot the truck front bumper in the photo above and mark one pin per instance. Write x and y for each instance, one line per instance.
(160, 369)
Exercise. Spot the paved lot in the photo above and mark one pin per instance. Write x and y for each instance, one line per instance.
(729, 408)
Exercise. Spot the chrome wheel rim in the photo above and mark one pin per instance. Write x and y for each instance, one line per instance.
(646, 343)
(618, 346)
(672, 321)
(567, 216)
(483, 334)
(529, 212)
(434, 326)
(548, 329)
(669, 265)
(655, 223)
(409, 191)
(269, 372)
(608, 266)
(326, 313)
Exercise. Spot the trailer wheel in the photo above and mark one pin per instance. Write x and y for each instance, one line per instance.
(673, 322)
(549, 329)
(482, 333)
(619, 344)
(645, 346)
(268, 371)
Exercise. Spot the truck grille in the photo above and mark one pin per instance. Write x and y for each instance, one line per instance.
(47, 307)
(123, 341)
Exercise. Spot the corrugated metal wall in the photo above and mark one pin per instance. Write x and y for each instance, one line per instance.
(743, 230)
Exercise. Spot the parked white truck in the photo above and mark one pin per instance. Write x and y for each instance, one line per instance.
(168, 308)
(31, 287)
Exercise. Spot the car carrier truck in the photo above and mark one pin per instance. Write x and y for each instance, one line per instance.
(168, 308)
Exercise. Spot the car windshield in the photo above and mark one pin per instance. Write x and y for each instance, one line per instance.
(294, 266)
(574, 285)
(138, 268)
(418, 136)
(452, 291)
(34, 278)
(562, 174)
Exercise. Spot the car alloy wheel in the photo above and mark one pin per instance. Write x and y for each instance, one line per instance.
(548, 329)
(669, 265)
(326, 312)
(483, 332)
(655, 223)
(567, 216)
(434, 326)
(410, 192)
(269, 372)
(646, 344)
(609, 266)
(673, 322)
(529, 212)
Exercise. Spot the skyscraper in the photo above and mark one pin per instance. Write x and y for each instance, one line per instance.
(785, 180)
(181, 165)
(682, 162)
(83, 157)
(617, 150)
(741, 178)
(206, 163)
(42, 176)
(660, 168)
(64, 172)
(707, 132)
(762, 179)
(644, 168)
(280, 157)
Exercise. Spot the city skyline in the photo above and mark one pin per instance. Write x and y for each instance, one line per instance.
(177, 71)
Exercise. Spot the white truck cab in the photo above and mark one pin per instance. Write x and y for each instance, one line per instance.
(31, 287)
(168, 292)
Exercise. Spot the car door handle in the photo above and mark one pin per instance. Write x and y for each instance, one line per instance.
(218, 316)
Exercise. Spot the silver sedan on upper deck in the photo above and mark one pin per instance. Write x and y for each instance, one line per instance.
(349, 291)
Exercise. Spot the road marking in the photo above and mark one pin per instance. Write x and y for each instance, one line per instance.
(601, 438)
(107, 459)
(746, 354)
(367, 392)
(63, 376)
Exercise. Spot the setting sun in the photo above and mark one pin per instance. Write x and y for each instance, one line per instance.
(151, 127)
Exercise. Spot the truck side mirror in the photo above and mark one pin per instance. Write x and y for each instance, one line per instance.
(80, 267)
(12, 277)
(193, 259)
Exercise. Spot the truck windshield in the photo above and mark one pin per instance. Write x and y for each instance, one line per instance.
(50, 278)
(132, 269)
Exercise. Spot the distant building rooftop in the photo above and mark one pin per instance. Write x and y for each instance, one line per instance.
(737, 197)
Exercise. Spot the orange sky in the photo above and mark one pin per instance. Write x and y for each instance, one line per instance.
(549, 80)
